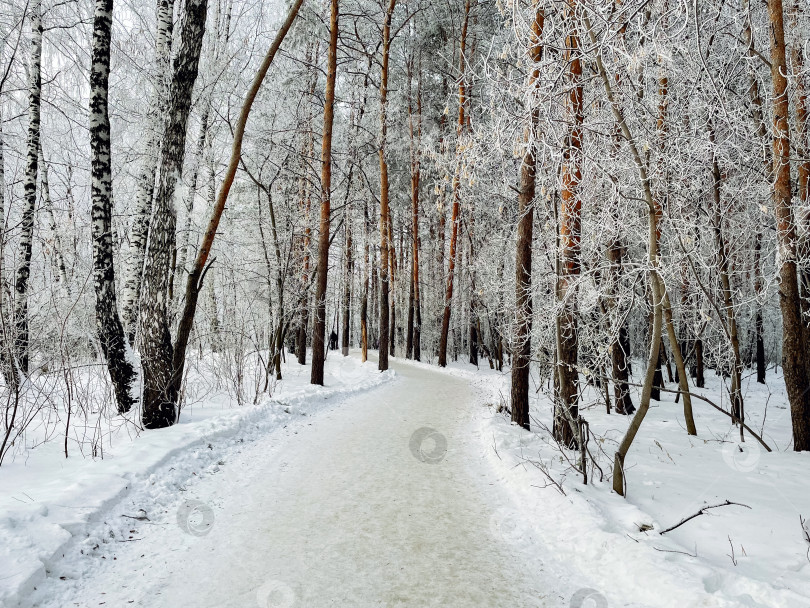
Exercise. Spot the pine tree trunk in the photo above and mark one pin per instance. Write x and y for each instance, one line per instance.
(306, 209)
(384, 211)
(412, 345)
(110, 330)
(29, 190)
(803, 166)
(347, 288)
(392, 256)
(364, 300)
(521, 358)
(570, 235)
(456, 196)
(160, 379)
(319, 325)
(414, 134)
(793, 351)
(145, 187)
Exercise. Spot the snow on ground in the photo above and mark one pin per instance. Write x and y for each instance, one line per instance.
(731, 556)
(416, 493)
(384, 500)
(51, 506)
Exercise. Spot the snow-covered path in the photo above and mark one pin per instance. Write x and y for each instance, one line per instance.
(340, 509)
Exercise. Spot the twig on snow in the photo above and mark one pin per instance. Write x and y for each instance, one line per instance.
(701, 512)
(674, 551)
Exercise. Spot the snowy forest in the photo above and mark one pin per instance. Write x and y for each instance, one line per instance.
(582, 229)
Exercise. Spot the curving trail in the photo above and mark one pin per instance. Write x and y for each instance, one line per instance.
(345, 508)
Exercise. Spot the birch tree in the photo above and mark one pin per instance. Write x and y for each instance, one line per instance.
(110, 330)
(30, 189)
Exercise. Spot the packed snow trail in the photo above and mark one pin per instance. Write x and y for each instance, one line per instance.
(383, 500)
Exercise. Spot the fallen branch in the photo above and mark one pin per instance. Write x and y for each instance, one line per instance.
(701, 512)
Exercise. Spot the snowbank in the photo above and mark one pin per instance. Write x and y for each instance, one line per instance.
(48, 503)
(731, 556)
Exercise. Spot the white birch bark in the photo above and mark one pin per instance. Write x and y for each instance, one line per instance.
(108, 323)
(160, 387)
(29, 187)
(133, 264)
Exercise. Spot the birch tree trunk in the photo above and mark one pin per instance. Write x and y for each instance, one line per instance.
(199, 152)
(145, 188)
(108, 324)
(29, 190)
(8, 363)
(160, 385)
(56, 247)
(319, 325)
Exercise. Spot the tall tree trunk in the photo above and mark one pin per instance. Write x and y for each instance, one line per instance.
(392, 256)
(675, 345)
(199, 151)
(570, 236)
(8, 363)
(56, 247)
(364, 300)
(620, 346)
(384, 211)
(793, 351)
(758, 325)
(737, 408)
(319, 325)
(763, 137)
(803, 166)
(415, 140)
(306, 209)
(521, 358)
(160, 380)
(145, 186)
(455, 217)
(29, 189)
(347, 288)
(110, 330)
